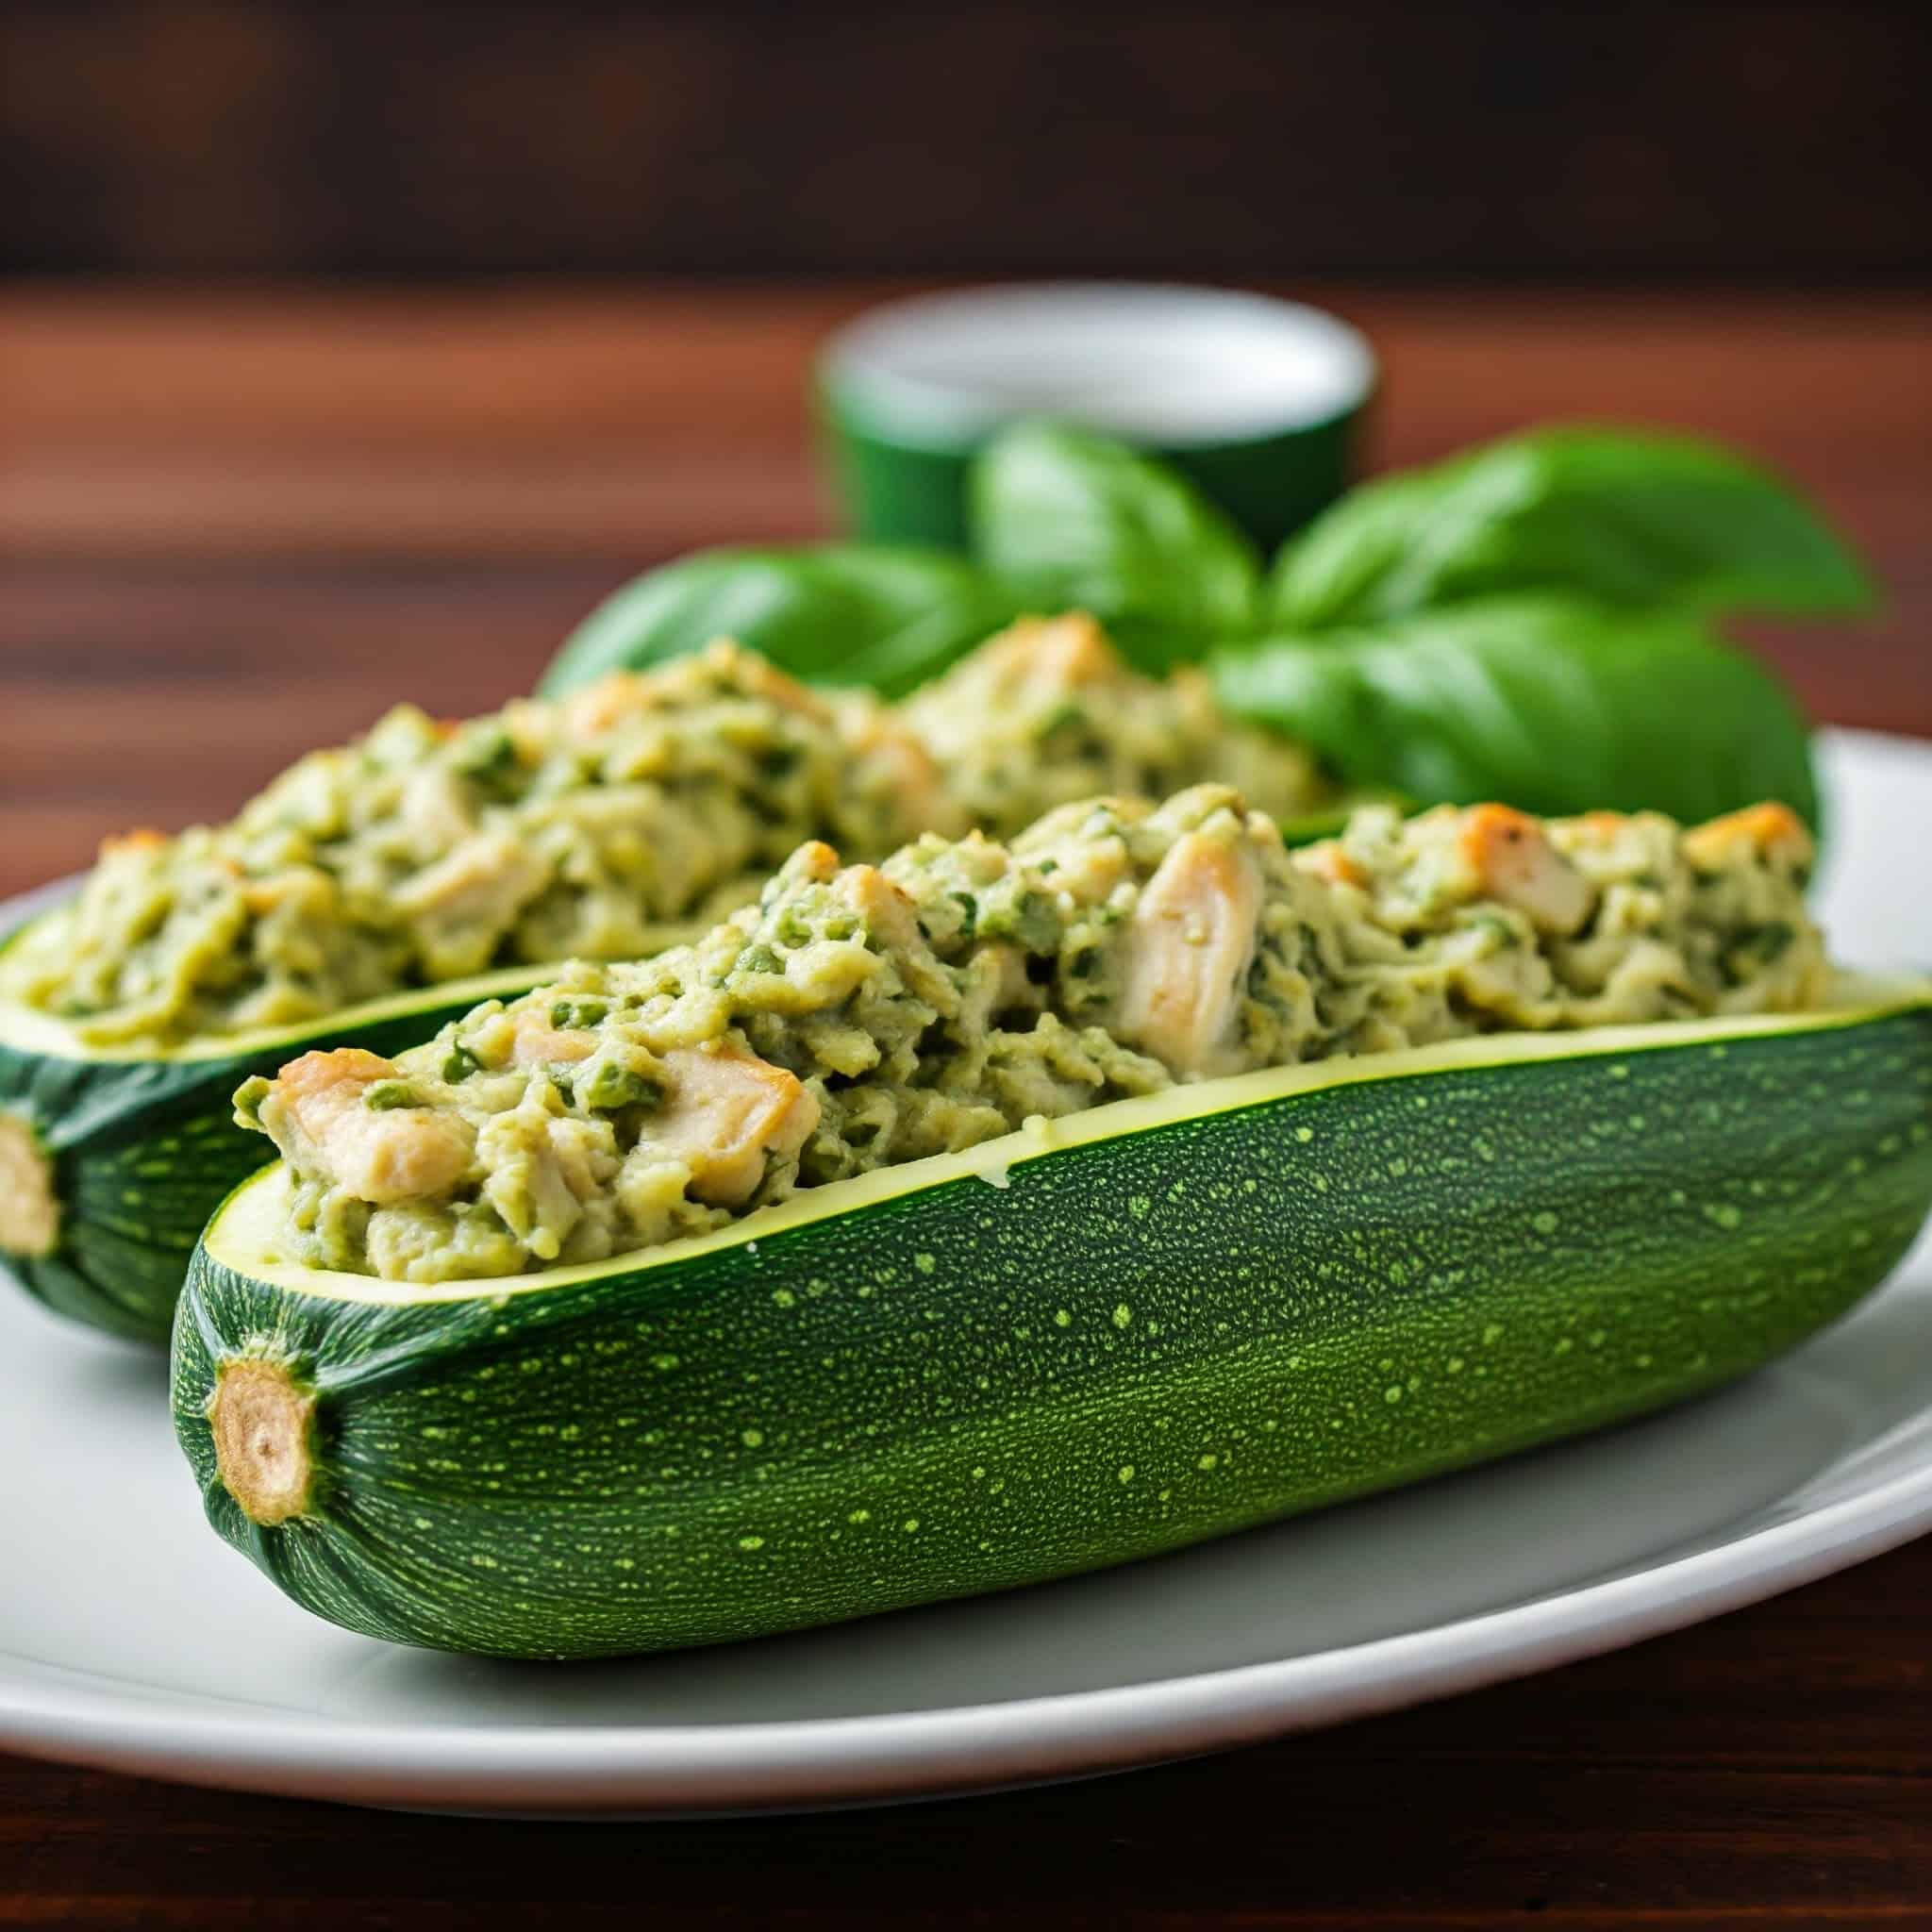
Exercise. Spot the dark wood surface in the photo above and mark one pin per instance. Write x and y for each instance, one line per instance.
(1781, 139)
(237, 525)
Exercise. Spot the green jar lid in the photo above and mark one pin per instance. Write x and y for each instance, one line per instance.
(1260, 401)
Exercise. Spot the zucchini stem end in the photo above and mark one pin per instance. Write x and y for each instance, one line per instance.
(29, 1207)
(264, 1424)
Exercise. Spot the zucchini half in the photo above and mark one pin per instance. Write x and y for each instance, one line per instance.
(1085, 1344)
(111, 1161)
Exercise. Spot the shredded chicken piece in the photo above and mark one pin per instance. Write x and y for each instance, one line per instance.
(814, 862)
(1192, 943)
(1771, 830)
(384, 1154)
(1064, 653)
(597, 709)
(729, 1111)
(888, 913)
(763, 678)
(468, 900)
(1514, 862)
(539, 1044)
(486, 878)
(1328, 861)
(1086, 868)
(435, 812)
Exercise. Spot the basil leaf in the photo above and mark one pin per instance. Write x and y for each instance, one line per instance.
(1547, 702)
(833, 613)
(1075, 522)
(1620, 517)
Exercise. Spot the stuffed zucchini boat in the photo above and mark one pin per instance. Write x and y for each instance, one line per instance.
(372, 892)
(1005, 1212)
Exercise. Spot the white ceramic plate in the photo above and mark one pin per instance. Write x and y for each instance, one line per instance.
(131, 1638)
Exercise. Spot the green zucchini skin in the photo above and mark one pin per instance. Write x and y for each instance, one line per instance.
(1143, 1340)
(141, 1151)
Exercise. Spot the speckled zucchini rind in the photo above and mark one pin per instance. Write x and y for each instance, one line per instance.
(1152, 1324)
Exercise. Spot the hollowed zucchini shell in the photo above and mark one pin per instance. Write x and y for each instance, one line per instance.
(1152, 1324)
(111, 1161)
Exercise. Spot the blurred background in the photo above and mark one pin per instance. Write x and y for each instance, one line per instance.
(350, 353)
(1766, 143)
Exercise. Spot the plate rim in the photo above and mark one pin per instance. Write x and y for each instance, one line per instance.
(693, 1769)
(685, 1769)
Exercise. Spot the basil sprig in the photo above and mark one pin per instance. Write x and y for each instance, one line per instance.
(1546, 702)
(1531, 622)
(1074, 522)
(882, 615)
(1633, 519)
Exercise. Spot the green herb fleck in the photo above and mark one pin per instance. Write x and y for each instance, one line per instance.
(488, 753)
(613, 1086)
(1029, 919)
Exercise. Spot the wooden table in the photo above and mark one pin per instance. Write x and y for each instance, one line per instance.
(238, 525)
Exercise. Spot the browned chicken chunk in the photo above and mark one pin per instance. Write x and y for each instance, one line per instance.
(1192, 943)
(376, 1155)
(1515, 863)
(729, 1112)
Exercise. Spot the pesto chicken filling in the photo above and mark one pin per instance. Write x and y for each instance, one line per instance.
(861, 1016)
(633, 814)
(1047, 713)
